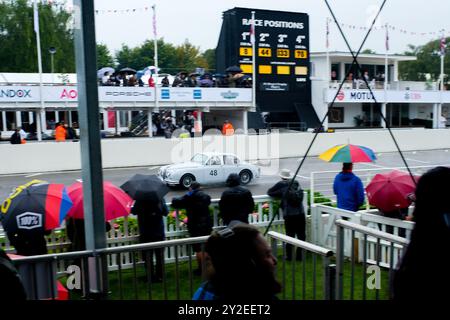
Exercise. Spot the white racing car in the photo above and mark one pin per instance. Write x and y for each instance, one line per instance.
(208, 168)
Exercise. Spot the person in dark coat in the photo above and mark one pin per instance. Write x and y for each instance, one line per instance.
(236, 203)
(29, 242)
(15, 137)
(423, 271)
(241, 267)
(76, 233)
(150, 214)
(348, 189)
(292, 207)
(12, 286)
(199, 223)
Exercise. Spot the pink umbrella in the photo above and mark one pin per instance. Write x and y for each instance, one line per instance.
(389, 191)
(117, 202)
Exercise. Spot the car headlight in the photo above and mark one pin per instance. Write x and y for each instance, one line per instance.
(168, 174)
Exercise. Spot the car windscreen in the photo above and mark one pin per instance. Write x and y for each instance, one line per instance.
(199, 158)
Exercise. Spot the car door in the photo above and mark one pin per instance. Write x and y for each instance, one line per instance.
(230, 165)
(214, 170)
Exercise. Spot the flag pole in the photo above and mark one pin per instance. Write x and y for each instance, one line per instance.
(386, 75)
(38, 46)
(328, 77)
(252, 39)
(443, 45)
(155, 45)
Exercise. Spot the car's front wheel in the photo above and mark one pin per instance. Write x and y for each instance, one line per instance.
(246, 176)
(187, 180)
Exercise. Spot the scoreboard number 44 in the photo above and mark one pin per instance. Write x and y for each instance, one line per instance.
(265, 52)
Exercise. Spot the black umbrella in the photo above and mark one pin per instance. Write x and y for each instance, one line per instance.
(143, 187)
(127, 70)
(233, 69)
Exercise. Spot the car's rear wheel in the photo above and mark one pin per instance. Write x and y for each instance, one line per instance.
(187, 180)
(245, 176)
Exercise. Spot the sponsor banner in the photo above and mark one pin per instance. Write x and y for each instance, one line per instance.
(124, 94)
(402, 96)
(206, 94)
(19, 93)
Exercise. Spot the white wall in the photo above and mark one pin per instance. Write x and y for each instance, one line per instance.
(53, 156)
(351, 110)
(420, 111)
(318, 88)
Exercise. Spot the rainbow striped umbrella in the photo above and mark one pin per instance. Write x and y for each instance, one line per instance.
(348, 153)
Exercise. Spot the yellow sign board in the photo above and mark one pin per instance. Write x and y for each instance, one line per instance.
(283, 70)
(265, 52)
(264, 69)
(246, 68)
(301, 54)
(283, 53)
(246, 52)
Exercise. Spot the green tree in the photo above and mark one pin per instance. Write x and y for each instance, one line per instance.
(18, 40)
(143, 56)
(428, 62)
(368, 51)
(210, 57)
(104, 57)
(188, 57)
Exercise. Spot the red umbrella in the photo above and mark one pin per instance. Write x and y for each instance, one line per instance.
(390, 191)
(117, 202)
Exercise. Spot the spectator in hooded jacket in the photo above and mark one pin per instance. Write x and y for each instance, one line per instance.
(236, 202)
(348, 189)
(199, 222)
(292, 207)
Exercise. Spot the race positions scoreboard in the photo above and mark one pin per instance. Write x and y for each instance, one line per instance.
(281, 58)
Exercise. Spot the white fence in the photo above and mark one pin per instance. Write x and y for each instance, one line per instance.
(129, 232)
(323, 229)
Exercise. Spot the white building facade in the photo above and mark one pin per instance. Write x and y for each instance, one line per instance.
(403, 103)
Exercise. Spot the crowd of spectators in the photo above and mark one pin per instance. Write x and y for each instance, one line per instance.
(182, 79)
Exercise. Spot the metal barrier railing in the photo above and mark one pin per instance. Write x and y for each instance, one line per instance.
(40, 275)
(128, 232)
(178, 280)
(394, 242)
(308, 280)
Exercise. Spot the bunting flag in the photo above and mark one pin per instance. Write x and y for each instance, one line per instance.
(122, 11)
(394, 28)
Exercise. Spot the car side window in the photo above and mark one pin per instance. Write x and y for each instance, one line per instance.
(214, 161)
(230, 160)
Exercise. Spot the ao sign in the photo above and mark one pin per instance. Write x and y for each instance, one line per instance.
(69, 94)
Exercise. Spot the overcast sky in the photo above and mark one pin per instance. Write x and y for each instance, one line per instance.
(199, 21)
